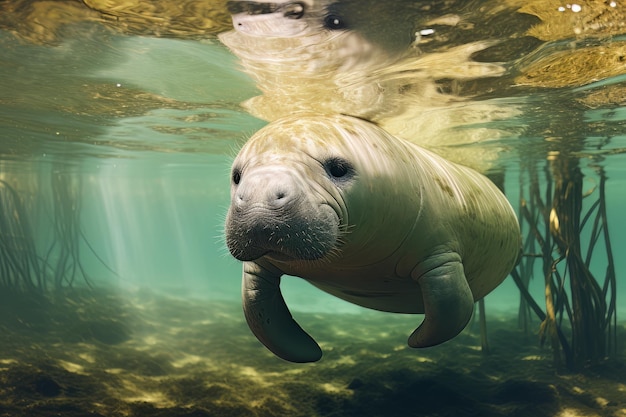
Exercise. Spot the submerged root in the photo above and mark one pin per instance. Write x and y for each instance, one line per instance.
(575, 298)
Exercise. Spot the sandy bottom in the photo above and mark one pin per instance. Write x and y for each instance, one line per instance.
(89, 353)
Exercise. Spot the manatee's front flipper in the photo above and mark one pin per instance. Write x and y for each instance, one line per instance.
(270, 319)
(448, 303)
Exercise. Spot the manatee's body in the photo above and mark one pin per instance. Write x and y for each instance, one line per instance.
(369, 218)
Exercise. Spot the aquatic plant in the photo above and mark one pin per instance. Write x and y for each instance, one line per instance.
(29, 261)
(20, 267)
(63, 252)
(580, 315)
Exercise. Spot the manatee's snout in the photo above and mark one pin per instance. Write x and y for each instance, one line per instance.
(269, 18)
(265, 190)
(274, 213)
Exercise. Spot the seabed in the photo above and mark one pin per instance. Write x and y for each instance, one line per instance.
(94, 352)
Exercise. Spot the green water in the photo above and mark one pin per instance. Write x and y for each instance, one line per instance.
(141, 131)
(148, 126)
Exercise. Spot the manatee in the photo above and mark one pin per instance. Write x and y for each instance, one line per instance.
(367, 217)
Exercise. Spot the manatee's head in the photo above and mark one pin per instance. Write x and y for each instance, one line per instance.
(325, 56)
(376, 20)
(315, 187)
(286, 202)
(282, 42)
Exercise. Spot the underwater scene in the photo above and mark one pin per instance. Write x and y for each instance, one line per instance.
(312, 208)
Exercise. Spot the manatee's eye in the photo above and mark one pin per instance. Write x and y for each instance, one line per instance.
(293, 10)
(236, 177)
(334, 22)
(338, 168)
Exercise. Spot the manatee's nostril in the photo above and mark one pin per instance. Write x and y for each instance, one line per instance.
(279, 197)
(240, 197)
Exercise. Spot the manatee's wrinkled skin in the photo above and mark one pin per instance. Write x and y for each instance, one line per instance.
(367, 217)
